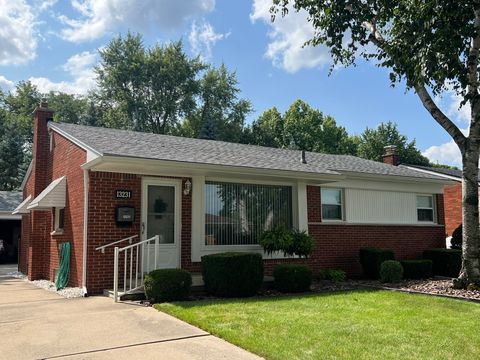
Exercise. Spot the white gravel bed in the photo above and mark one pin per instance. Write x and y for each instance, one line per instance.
(68, 292)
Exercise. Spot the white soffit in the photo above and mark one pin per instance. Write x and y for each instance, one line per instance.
(22, 208)
(54, 195)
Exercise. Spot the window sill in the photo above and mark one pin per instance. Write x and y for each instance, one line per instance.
(57, 232)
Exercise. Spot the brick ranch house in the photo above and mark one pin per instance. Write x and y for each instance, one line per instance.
(201, 197)
(452, 194)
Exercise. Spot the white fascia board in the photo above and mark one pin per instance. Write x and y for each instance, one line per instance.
(142, 166)
(89, 149)
(450, 177)
(54, 195)
(6, 215)
(22, 207)
(396, 178)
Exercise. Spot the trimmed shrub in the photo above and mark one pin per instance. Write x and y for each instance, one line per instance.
(457, 240)
(333, 275)
(232, 274)
(391, 271)
(446, 262)
(371, 260)
(167, 285)
(417, 269)
(292, 278)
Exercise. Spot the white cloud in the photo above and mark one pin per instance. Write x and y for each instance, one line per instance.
(447, 153)
(97, 17)
(17, 36)
(43, 5)
(202, 38)
(288, 35)
(80, 69)
(5, 84)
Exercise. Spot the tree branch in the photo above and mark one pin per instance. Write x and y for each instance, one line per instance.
(440, 117)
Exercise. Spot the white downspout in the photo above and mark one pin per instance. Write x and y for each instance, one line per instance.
(85, 231)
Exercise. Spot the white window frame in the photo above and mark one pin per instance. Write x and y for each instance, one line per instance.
(342, 205)
(57, 230)
(217, 248)
(433, 208)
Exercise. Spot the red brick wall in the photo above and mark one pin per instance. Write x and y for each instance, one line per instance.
(39, 254)
(337, 246)
(102, 228)
(453, 207)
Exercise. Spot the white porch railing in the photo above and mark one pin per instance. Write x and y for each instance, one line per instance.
(129, 239)
(136, 263)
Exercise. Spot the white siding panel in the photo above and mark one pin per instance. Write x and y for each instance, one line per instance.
(389, 207)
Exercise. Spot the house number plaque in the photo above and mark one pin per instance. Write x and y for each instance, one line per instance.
(123, 194)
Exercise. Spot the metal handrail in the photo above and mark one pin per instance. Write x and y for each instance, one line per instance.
(135, 274)
(103, 247)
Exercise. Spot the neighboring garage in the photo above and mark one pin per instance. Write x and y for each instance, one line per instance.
(10, 226)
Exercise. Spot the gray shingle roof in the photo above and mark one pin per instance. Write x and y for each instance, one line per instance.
(172, 148)
(9, 200)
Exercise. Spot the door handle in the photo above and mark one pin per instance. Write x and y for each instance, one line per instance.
(143, 228)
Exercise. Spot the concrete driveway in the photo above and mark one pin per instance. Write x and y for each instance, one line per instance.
(37, 324)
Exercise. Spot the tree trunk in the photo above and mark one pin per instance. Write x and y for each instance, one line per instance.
(470, 271)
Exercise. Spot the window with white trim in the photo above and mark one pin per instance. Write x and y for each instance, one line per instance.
(59, 220)
(237, 213)
(425, 209)
(332, 204)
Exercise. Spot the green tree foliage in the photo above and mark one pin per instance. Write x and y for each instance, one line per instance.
(148, 90)
(373, 141)
(220, 114)
(301, 127)
(12, 156)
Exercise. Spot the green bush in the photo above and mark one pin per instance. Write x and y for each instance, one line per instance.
(457, 240)
(391, 271)
(277, 239)
(446, 262)
(333, 275)
(232, 274)
(167, 285)
(417, 269)
(290, 242)
(371, 260)
(292, 278)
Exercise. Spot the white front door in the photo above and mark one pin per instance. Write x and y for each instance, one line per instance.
(161, 206)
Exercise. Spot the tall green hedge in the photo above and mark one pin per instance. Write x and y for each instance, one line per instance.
(232, 274)
(446, 262)
(371, 260)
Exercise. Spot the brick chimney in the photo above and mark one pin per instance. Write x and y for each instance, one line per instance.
(41, 143)
(40, 221)
(390, 156)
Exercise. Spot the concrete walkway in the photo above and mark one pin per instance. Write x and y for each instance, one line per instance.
(37, 324)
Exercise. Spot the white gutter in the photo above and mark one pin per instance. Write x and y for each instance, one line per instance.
(85, 232)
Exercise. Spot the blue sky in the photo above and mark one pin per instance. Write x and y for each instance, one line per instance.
(54, 44)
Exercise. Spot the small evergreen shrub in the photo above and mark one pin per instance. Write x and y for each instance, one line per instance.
(333, 275)
(232, 274)
(371, 260)
(391, 271)
(167, 285)
(292, 278)
(446, 262)
(457, 240)
(417, 269)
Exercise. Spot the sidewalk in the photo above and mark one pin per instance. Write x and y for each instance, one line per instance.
(37, 324)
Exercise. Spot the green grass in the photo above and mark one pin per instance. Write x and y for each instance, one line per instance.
(348, 325)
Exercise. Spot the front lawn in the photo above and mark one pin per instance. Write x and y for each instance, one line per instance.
(347, 325)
